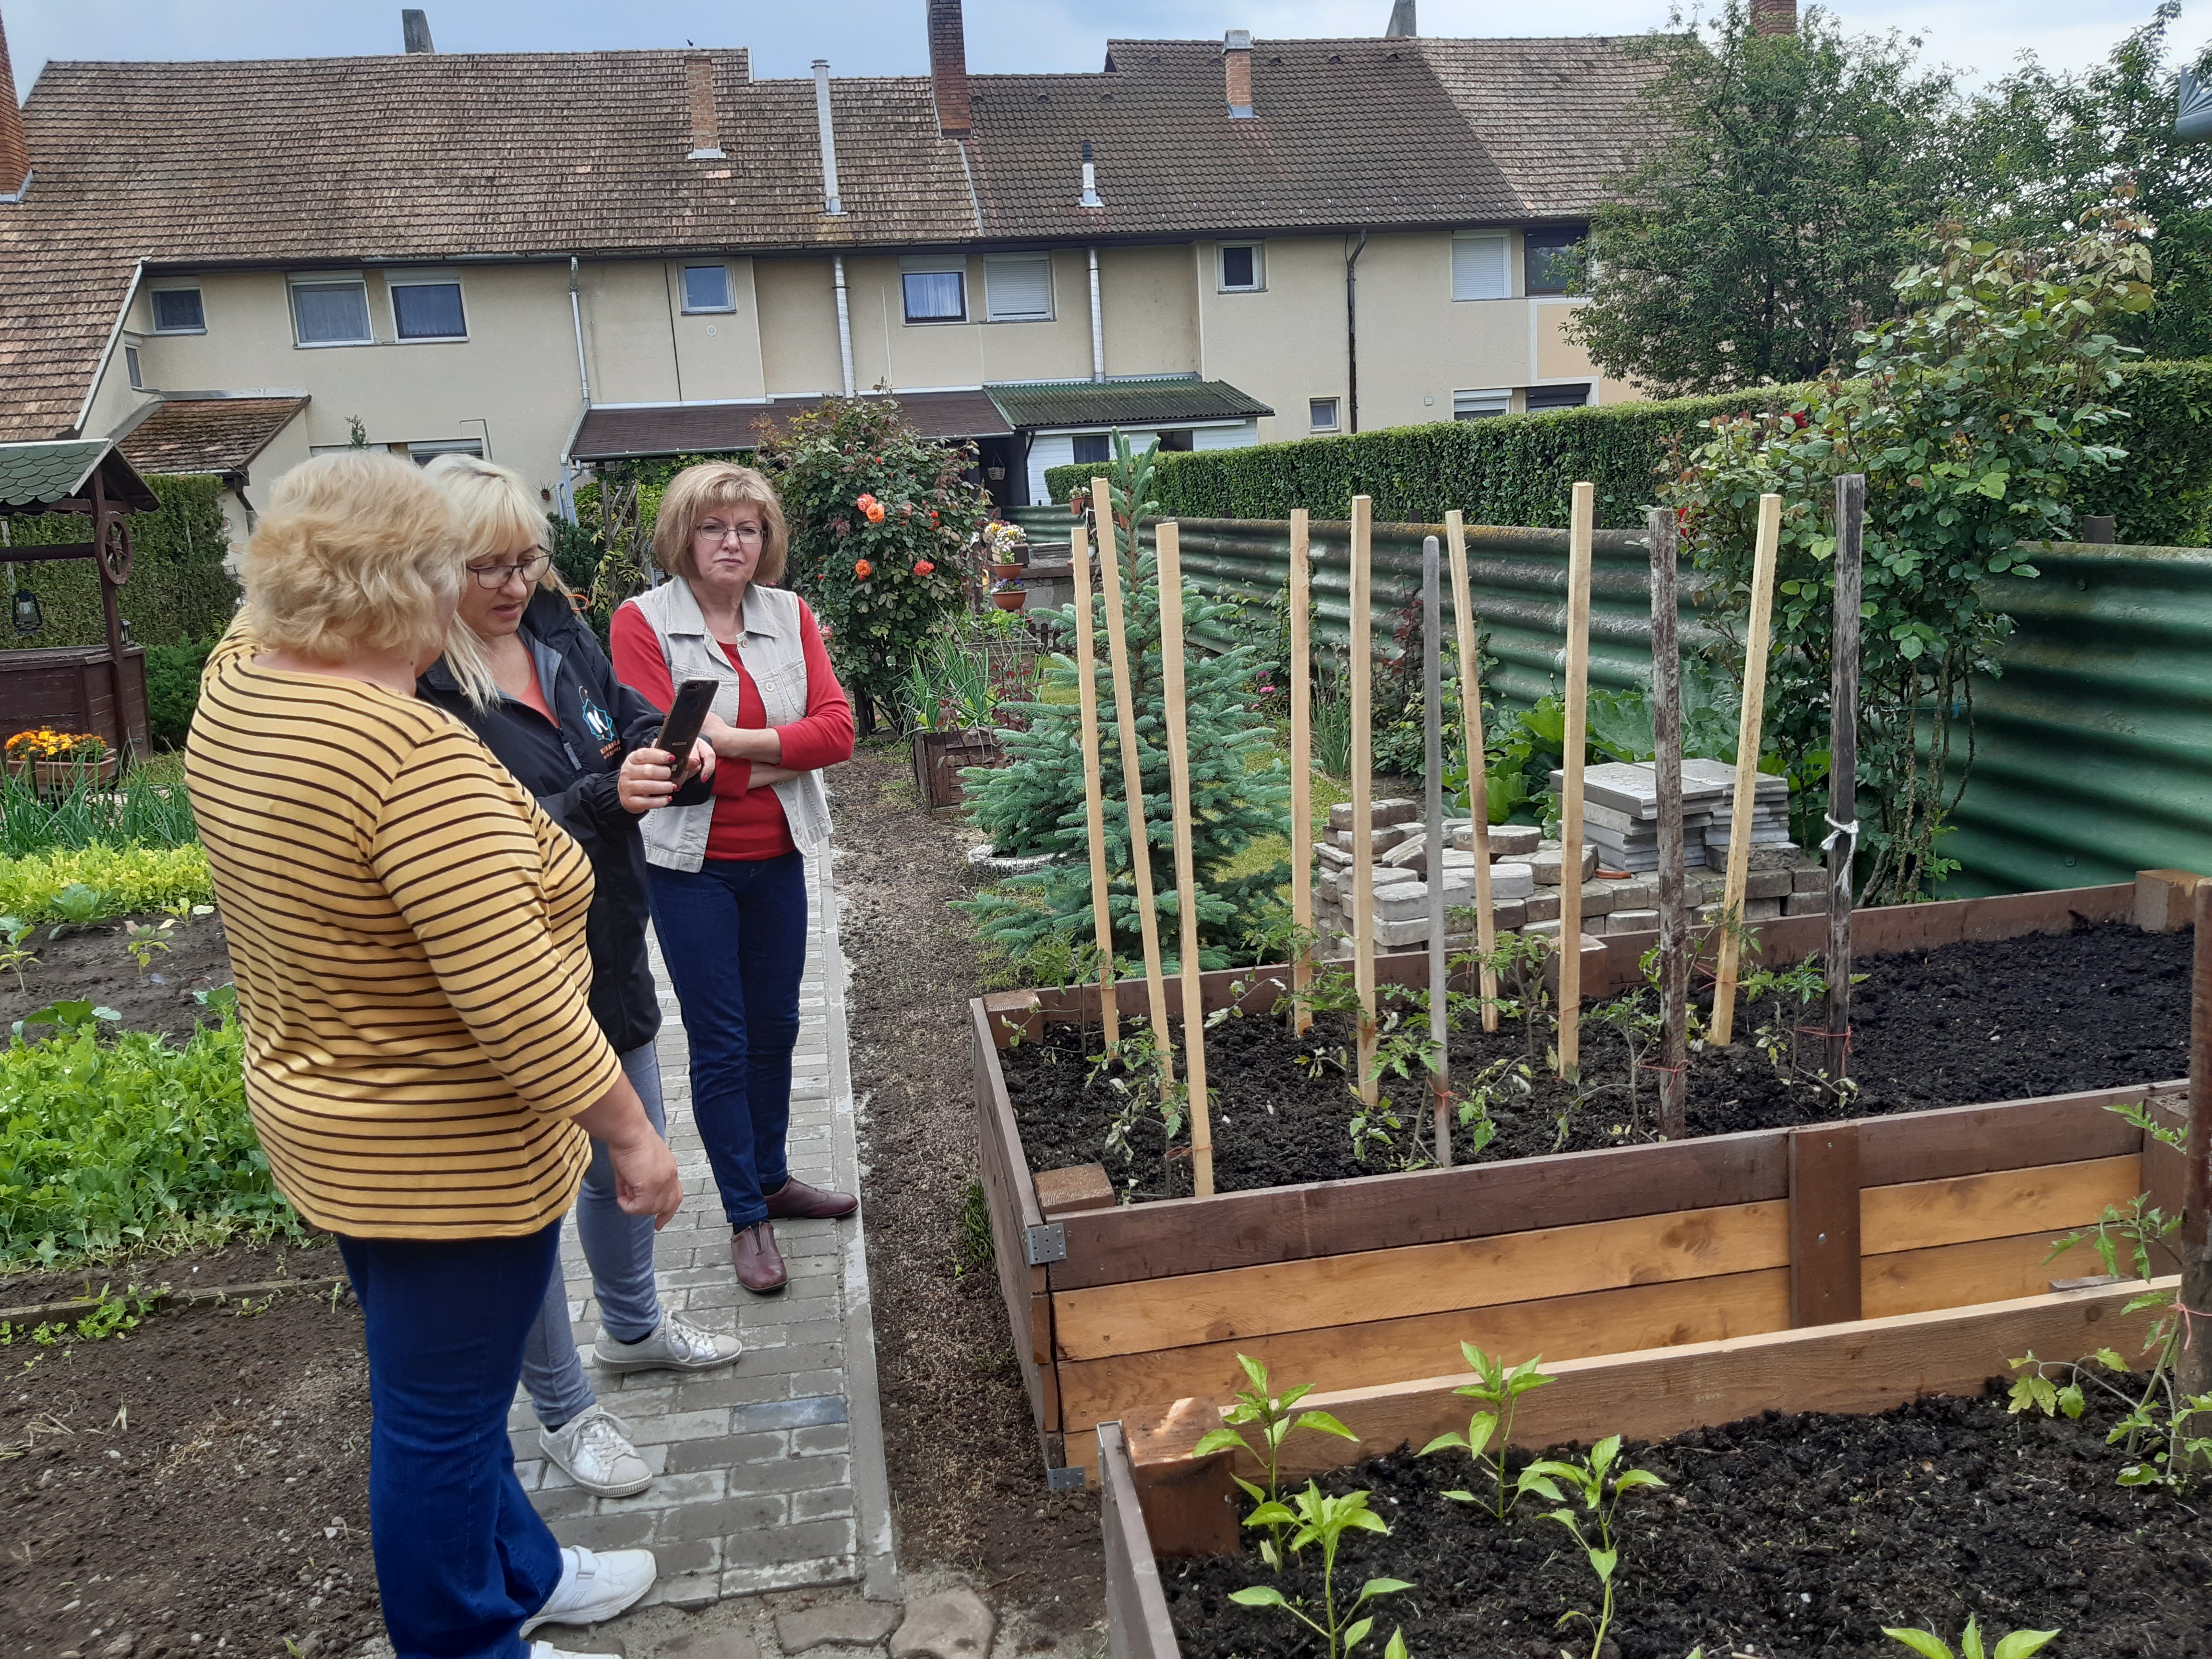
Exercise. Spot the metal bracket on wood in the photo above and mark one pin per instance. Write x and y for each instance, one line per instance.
(1047, 1243)
(1067, 1480)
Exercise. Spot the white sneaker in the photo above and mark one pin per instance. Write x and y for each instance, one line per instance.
(594, 1587)
(547, 1650)
(674, 1346)
(595, 1449)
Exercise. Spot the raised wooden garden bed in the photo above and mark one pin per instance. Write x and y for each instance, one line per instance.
(1119, 1312)
(938, 757)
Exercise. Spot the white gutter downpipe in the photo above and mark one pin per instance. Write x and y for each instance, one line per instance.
(1097, 322)
(844, 320)
(831, 205)
(576, 316)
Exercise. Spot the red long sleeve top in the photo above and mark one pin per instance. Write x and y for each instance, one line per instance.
(748, 823)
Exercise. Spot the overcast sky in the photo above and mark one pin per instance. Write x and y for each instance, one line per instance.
(886, 36)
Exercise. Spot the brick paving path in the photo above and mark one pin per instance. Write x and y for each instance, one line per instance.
(767, 1476)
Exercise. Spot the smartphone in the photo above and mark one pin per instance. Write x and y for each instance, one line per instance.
(680, 730)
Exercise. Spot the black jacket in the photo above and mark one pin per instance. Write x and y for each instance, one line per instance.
(573, 772)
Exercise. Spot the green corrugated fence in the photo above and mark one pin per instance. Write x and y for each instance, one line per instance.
(2093, 748)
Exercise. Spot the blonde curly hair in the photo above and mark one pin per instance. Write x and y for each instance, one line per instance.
(717, 486)
(358, 552)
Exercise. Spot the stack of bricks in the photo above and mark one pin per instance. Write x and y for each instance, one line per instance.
(1525, 878)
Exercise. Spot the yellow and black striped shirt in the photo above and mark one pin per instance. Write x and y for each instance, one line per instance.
(407, 934)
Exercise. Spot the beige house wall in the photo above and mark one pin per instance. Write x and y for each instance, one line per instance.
(1149, 298)
(1284, 344)
(892, 352)
(796, 301)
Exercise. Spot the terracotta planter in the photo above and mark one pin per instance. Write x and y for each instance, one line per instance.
(1006, 573)
(1011, 599)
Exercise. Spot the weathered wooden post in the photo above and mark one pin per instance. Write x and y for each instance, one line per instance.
(1477, 769)
(1302, 851)
(1748, 728)
(1667, 777)
(1580, 521)
(1181, 805)
(2193, 1373)
(1843, 841)
(1432, 763)
(1362, 787)
(1094, 794)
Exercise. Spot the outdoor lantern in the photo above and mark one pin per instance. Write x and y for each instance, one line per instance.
(29, 619)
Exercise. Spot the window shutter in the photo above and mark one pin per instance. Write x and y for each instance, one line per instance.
(1479, 268)
(1018, 290)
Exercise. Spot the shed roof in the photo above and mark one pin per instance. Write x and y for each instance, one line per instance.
(623, 434)
(207, 435)
(33, 475)
(1166, 401)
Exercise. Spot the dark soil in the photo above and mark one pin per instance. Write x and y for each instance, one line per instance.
(2100, 1007)
(199, 1482)
(967, 1475)
(1784, 1537)
(93, 965)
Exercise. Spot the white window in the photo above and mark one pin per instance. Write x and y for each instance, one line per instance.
(1093, 449)
(1320, 414)
(1243, 268)
(707, 287)
(934, 290)
(426, 308)
(131, 365)
(330, 311)
(1480, 405)
(1480, 270)
(1018, 290)
(177, 311)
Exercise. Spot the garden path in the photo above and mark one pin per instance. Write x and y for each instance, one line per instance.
(769, 1475)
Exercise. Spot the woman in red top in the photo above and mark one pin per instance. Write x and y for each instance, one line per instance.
(727, 878)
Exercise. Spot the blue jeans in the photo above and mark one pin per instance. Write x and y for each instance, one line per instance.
(620, 1251)
(461, 1558)
(734, 937)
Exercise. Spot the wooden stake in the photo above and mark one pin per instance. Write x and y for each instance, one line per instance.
(1094, 793)
(1746, 762)
(1363, 787)
(1133, 781)
(1302, 850)
(1178, 735)
(1666, 775)
(1432, 763)
(2193, 1373)
(1478, 767)
(1844, 765)
(1581, 524)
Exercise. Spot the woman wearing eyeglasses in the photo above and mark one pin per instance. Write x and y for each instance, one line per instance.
(728, 878)
(522, 671)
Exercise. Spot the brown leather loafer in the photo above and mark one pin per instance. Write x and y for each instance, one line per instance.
(759, 1264)
(796, 1201)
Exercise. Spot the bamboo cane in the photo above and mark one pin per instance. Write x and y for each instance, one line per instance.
(1362, 788)
(1477, 769)
(1843, 842)
(1133, 782)
(1667, 779)
(1302, 851)
(1581, 520)
(1432, 762)
(1747, 764)
(1094, 794)
(2193, 1371)
(1178, 736)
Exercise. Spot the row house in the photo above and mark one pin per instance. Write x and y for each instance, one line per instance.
(559, 259)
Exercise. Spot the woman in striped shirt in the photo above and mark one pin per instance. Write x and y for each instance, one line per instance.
(407, 933)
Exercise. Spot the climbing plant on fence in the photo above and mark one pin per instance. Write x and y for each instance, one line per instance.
(178, 590)
(1519, 469)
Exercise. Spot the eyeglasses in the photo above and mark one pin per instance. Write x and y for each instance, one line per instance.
(496, 576)
(713, 532)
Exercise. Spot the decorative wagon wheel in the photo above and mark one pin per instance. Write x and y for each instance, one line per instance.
(114, 553)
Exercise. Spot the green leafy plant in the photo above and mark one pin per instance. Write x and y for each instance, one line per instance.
(67, 1017)
(80, 906)
(142, 808)
(1928, 1645)
(1276, 1417)
(110, 1316)
(1599, 1489)
(1321, 1519)
(1474, 1100)
(972, 1248)
(1500, 1388)
(948, 688)
(129, 881)
(15, 955)
(146, 940)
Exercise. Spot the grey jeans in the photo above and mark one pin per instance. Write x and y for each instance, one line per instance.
(619, 1249)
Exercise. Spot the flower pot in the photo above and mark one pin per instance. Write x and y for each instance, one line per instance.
(1006, 573)
(1011, 599)
(58, 777)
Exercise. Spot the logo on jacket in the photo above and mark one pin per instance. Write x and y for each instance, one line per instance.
(602, 726)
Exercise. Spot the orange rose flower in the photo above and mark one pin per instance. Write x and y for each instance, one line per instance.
(923, 567)
(863, 569)
(875, 511)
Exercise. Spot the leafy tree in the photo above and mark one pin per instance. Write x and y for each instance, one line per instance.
(2046, 145)
(882, 520)
(1974, 418)
(1788, 179)
(1034, 803)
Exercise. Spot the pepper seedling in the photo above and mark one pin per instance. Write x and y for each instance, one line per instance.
(1600, 1500)
(1500, 1389)
(1326, 1520)
(2018, 1645)
(1273, 1414)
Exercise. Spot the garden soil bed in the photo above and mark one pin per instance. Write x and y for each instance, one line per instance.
(197, 1485)
(92, 963)
(2106, 1005)
(1776, 1536)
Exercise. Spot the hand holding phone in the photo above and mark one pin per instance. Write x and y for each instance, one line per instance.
(686, 715)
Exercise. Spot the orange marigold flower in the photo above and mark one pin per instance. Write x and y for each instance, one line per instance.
(863, 569)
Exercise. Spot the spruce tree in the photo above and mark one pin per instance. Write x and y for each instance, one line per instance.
(1239, 788)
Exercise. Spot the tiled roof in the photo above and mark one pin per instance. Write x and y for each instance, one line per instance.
(34, 474)
(1123, 402)
(609, 434)
(207, 435)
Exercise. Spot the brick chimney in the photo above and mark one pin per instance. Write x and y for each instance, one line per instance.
(1236, 72)
(948, 68)
(415, 32)
(706, 127)
(15, 145)
(1774, 16)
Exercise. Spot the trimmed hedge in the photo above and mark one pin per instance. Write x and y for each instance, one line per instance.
(1520, 469)
(178, 590)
